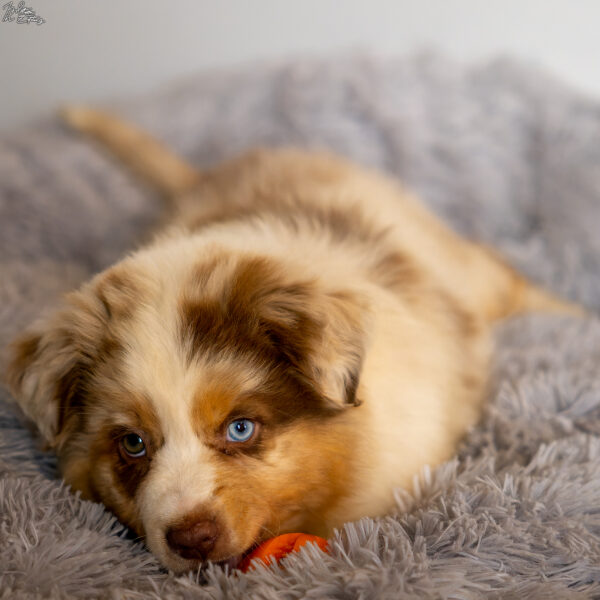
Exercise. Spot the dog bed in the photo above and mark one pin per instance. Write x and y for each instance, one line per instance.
(505, 155)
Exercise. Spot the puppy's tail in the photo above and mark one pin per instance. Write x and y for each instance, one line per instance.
(527, 297)
(509, 293)
(145, 155)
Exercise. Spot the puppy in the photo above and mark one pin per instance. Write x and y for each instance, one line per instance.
(301, 339)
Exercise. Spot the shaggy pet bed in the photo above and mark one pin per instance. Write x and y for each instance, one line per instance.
(505, 155)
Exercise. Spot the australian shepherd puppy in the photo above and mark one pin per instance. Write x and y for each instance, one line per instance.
(300, 340)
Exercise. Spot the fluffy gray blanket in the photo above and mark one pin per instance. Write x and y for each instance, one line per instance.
(506, 156)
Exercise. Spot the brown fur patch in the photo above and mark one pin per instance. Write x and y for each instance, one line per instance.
(308, 339)
(257, 314)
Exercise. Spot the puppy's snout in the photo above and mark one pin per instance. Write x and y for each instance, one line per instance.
(194, 540)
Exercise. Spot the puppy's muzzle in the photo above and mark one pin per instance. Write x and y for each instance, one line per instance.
(194, 540)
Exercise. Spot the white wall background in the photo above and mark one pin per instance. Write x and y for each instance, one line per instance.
(90, 50)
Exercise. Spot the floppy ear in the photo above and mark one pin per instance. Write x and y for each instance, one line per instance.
(49, 365)
(337, 356)
(322, 334)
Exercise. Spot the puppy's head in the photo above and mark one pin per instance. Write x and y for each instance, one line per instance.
(205, 403)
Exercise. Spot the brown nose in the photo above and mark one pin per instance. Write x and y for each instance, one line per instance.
(193, 540)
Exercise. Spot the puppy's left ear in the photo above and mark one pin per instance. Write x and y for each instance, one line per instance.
(337, 354)
(324, 336)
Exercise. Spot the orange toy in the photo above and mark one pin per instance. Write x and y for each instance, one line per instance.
(278, 547)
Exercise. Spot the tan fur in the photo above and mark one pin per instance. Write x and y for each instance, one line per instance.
(314, 297)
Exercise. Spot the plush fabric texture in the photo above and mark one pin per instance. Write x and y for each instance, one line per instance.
(500, 151)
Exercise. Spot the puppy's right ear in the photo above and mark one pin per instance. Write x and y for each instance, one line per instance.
(42, 375)
(47, 370)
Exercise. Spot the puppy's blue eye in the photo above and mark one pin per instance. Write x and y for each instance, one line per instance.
(240, 430)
